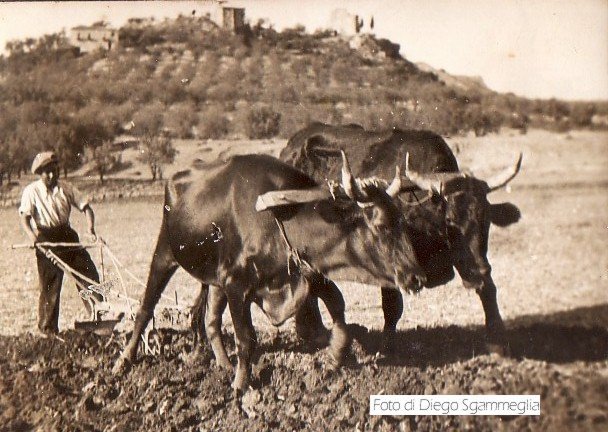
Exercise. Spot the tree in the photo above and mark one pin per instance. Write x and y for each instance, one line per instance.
(101, 158)
(149, 120)
(156, 151)
(582, 114)
(67, 150)
(557, 109)
(90, 127)
(19, 155)
(3, 160)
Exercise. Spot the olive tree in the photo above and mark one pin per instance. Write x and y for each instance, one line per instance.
(156, 151)
(101, 158)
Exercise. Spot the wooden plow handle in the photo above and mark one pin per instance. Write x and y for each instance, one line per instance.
(51, 244)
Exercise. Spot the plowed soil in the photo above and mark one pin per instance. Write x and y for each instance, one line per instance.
(51, 384)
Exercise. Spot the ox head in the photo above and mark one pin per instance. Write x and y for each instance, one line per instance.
(383, 240)
(468, 216)
(371, 225)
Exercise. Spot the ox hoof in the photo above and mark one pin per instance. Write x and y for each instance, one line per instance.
(320, 340)
(343, 358)
(223, 364)
(502, 350)
(333, 364)
(240, 383)
(122, 366)
(238, 391)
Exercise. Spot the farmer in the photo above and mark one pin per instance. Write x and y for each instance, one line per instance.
(45, 217)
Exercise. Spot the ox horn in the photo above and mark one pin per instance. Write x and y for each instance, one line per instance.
(395, 187)
(351, 188)
(505, 176)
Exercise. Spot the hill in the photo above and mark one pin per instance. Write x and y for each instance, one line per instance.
(186, 78)
(462, 82)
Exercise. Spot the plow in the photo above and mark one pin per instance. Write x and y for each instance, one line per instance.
(117, 305)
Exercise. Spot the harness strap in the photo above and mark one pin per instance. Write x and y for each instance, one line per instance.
(292, 253)
(419, 201)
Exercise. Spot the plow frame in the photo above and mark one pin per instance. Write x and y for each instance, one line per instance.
(116, 299)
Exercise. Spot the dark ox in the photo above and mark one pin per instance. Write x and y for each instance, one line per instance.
(211, 228)
(449, 226)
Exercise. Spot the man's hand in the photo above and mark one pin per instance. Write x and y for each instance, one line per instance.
(88, 211)
(91, 234)
(30, 230)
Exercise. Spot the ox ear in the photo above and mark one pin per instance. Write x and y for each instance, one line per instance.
(504, 214)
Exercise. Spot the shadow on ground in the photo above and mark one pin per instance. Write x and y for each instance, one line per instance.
(577, 335)
(563, 337)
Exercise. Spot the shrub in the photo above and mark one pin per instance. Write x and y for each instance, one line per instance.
(221, 92)
(342, 72)
(180, 119)
(293, 118)
(262, 122)
(212, 123)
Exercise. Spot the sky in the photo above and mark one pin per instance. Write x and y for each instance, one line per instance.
(533, 48)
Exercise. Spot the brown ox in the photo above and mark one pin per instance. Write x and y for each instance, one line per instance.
(450, 229)
(211, 228)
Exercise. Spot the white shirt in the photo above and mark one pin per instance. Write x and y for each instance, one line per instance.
(50, 209)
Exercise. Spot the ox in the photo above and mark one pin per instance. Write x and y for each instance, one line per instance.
(449, 227)
(211, 228)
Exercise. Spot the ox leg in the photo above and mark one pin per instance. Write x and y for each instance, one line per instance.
(392, 306)
(309, 323)
(244, 335)
(162, 268)
(326, 290)
(496, 339)
(216, 304)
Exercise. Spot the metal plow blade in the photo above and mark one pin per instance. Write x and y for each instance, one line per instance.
(100, 328)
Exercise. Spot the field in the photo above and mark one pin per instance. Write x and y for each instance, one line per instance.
(551, 269)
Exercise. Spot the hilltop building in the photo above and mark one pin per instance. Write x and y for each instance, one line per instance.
(100, 36)
(348, 24)
(233, 19)
(91, 38)
(226, 16)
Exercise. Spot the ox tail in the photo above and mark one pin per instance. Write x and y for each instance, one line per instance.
(198, 311)
(171, 194)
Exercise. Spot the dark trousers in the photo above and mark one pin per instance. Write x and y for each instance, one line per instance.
(50, 276)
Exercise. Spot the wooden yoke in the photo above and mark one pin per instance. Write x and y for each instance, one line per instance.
(287, 197)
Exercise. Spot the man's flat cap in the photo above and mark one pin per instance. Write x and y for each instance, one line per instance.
(43, 159)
